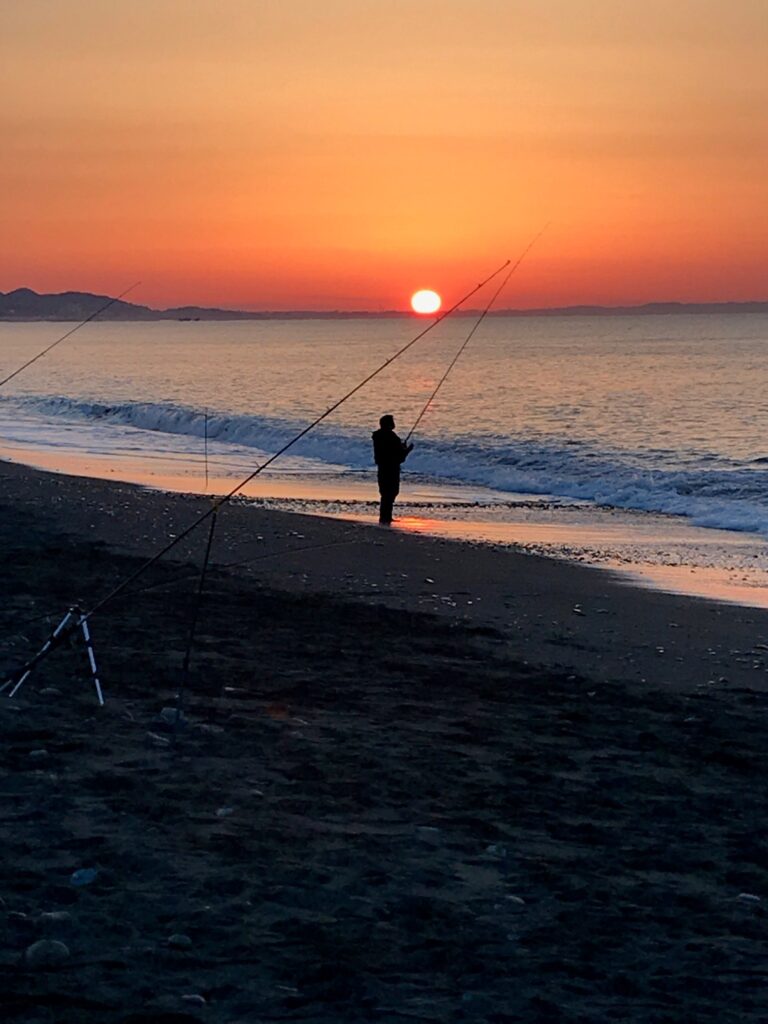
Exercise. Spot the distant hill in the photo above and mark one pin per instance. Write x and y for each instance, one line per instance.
(25, 304)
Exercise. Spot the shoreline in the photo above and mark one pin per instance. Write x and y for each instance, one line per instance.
(573, 617)
(649, 550)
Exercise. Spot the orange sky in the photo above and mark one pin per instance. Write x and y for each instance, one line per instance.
(339, 154)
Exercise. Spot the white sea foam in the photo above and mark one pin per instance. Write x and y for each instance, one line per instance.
(711, 490)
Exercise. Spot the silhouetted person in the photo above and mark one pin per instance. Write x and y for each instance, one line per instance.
(389, 453)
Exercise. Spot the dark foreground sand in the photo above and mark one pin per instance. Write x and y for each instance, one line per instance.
(388, 804)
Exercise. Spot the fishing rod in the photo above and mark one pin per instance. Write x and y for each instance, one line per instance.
(68, 334)
(471, 334)
(83, 617)
(23, 622)
(223, 499)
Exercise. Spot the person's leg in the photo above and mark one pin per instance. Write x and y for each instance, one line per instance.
(389, 488)
(385, 508)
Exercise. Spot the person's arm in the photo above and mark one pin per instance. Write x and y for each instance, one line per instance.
(405, 450)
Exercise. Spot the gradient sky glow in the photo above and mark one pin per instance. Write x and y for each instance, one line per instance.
(343, 153)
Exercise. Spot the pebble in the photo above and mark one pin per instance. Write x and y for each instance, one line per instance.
(38, 755)
(168, 717)
(748, 897)
(496, 850)
(46, 953)
(158, 741)
(195, 998)
(428, 834)
(179, 941)
(50, 691)
(84, 876)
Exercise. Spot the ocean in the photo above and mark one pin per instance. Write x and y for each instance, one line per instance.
(624, 440)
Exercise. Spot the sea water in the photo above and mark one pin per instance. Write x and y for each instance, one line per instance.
(632, 439)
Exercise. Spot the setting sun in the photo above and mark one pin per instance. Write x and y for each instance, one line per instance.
(425, 301)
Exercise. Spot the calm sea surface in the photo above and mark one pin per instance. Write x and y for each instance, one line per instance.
(655, 413)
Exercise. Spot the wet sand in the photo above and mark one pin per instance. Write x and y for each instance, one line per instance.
(418, 780)
(664, 552)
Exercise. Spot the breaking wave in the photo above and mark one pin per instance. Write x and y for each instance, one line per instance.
(709, 489)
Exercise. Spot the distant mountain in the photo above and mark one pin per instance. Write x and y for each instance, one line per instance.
(25, 304)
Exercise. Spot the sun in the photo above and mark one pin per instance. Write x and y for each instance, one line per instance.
(425, 301)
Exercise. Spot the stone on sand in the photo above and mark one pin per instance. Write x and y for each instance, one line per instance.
(46, 953)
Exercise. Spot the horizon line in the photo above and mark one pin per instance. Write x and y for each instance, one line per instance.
(193, 311)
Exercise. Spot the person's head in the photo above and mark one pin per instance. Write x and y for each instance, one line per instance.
(387, 422)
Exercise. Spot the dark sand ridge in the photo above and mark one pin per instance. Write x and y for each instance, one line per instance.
(373, 815)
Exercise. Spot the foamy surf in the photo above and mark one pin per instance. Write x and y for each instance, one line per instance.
(710, 490)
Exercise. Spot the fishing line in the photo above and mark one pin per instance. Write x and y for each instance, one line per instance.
(302, 433)
(193, 625)
(204, 568)
(206, 450)
(22, 622)
(222, 566)
(85, 616)
(69, 334)
(469, 337)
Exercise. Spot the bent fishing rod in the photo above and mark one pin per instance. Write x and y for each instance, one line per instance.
(68, 334)
(483, 315)
(223, 499)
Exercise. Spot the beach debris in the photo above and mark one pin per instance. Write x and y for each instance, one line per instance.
(194, 998)
(158, 741)
(46, 953)
(496, 850)
(179, 941)
(168, 717)
(83, 876)
(428, 579)
(428, 833)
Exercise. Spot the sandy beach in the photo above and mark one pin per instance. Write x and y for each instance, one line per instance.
(417, 779)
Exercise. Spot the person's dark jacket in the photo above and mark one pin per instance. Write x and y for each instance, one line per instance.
(389, 452)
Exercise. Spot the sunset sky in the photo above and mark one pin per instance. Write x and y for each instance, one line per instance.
(323, 154)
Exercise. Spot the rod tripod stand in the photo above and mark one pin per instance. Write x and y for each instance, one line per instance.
(69, 625)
